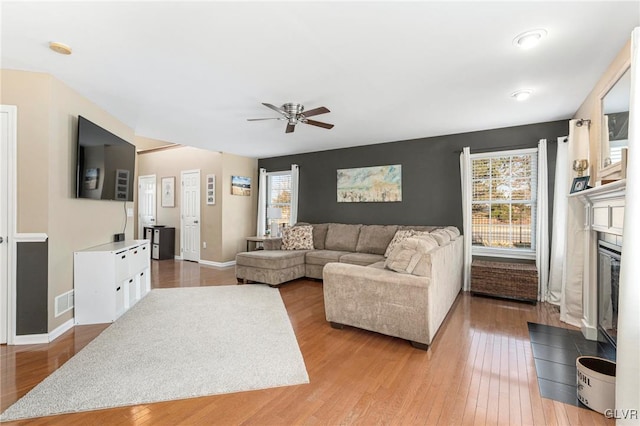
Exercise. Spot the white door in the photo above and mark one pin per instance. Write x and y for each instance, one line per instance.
(190, 215)
(146, 203)
(8, 116)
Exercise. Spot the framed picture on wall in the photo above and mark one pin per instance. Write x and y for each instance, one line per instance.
(240, 185)
(211, 190)
(168, 187)
(580, 184)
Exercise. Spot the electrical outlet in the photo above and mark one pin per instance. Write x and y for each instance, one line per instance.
(204, 244)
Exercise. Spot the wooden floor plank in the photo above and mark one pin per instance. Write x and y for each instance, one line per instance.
(479, 370)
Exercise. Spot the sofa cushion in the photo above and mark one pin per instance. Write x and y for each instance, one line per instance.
(441, 236)
(406, 257)
(320, 235)
(322, 257)
(452, 231)
(375, 239)
(342, 237)
(362, 259)
(399, 236)
(271, 259)
(377, 265)
(297, 238)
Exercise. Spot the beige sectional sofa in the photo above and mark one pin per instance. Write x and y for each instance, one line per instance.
(409, 301)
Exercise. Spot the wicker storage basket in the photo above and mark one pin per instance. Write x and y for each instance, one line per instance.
(502, 279)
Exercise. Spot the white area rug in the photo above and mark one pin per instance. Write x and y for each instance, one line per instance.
(176, 343)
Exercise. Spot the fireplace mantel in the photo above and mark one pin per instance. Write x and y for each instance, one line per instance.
(604, 212)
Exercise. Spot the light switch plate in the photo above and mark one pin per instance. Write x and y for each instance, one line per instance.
(129, 212)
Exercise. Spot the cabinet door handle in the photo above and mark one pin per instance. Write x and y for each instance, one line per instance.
(118, 289)
(195, 221)
(123, 256)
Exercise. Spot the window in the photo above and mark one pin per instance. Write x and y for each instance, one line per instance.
(504, 203)
(279, 197)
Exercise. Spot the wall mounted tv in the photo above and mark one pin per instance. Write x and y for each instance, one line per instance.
(105, 165)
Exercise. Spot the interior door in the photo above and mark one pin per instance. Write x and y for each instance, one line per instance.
(146, 203)
(190, 215)
(7, 126)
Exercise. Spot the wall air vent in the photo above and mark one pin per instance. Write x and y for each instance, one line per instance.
(64, 303)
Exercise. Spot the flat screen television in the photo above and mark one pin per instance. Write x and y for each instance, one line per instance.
(105, 165)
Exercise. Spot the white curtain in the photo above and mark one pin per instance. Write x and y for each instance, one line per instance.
(628, 350)
(262, 203)
(559, 231)
(295, 183)
(571, 297)
(465, 181)
(542, 222)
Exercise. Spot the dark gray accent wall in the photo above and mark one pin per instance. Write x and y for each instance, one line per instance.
(31, 288)
(431, 193)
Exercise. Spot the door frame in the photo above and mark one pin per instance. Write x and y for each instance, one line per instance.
(182, 173)
(155, 204)
(7, 281)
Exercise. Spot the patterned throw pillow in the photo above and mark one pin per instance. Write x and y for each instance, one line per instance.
(298, 238)
(397, 239)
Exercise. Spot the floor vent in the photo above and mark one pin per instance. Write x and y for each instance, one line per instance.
(64, 303)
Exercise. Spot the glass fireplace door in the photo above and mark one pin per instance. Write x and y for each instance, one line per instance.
(608, 285)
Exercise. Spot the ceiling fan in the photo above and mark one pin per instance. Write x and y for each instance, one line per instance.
(294, 114)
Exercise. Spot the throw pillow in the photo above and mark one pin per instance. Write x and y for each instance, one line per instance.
(297, 238)
(397, 239)
(408, 254)
(441, 236)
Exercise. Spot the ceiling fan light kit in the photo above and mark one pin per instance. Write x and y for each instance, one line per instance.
(294, 113)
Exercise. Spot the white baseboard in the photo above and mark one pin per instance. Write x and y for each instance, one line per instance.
(218, 264)
(38, 339)
(60, 330)
(178, 257)
(31, 339)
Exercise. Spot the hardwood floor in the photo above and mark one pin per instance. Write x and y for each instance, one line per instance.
(479, 370)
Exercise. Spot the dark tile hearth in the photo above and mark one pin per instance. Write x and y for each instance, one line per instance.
(555, 350)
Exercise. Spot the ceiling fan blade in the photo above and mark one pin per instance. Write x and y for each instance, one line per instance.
(275, 108)
(290, 128)
(316, 111)
(319, 124)
(259, 119)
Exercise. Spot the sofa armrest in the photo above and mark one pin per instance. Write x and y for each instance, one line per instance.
(378, 300)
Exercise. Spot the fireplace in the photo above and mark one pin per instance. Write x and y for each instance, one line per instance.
(609, 252)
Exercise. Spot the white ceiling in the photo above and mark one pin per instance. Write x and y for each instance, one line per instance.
(192, 73)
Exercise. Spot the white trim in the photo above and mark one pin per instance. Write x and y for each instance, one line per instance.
(506, 153)
(217, 264)
(507, 253)
(12, 212)
(61, 329)
(30, 237)
(31, 339)
(178, 257)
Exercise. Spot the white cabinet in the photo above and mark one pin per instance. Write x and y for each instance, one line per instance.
(109, 279)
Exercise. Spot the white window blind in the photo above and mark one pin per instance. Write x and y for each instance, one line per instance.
(503, 202)
(279, 195)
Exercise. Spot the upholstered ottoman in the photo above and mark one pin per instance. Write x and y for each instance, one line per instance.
(272, 267)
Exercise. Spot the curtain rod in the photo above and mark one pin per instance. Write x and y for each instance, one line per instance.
(503, 148)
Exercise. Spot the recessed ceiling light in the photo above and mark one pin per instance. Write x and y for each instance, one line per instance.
(521, 95)
(61, 48)
(530, 38)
